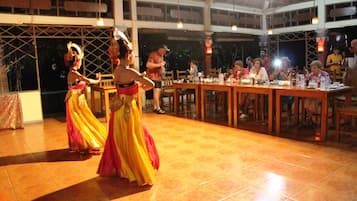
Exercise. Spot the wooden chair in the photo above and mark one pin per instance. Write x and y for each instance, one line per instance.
(167, 87)
(350, 79)
(213, 72)
(339, 76)
(105, 87)
(342, 113)
(107, 80)
(332, 75)
(181, 74)
(218, 96)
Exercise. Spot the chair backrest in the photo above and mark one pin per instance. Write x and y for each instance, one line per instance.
(181, 74)
(107, 80)
(351, 79)
(332, 75)
(341, 74)
(213, 72)
(168, 79)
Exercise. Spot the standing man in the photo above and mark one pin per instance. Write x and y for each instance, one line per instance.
(352, 63)
(155, 66)
(334, 60)
(266, 60)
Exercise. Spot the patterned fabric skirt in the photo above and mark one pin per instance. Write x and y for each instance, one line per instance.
(85, 131)
(130, 150)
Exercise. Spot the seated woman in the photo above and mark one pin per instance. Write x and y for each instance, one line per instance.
(85, 132)
(258, 72)
(284, 72)
(313, 106)
(129, 151)
(238, 71)
(193, 69)
(259, 75)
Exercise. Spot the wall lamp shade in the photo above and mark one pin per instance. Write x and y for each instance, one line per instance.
(100, 21)
(315, 20)
(179, 24)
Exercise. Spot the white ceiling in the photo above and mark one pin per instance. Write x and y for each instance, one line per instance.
(261, 4)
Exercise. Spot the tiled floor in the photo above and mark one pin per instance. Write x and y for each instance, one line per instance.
(199, 161)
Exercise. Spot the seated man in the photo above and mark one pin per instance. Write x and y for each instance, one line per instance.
(350, 79)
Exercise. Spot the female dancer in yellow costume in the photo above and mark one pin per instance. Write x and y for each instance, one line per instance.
(85, 132)
(129, 151)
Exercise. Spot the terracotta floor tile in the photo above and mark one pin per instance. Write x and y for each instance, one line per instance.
(326, 194)
(199, 161)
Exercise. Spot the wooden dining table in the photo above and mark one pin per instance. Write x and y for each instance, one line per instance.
(253, 89)
(323, 95)
(187, 85)
(224, 87)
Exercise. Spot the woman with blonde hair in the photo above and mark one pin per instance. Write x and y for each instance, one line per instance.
(313, 106)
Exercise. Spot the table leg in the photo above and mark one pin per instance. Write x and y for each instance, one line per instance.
(270, 112)
(92, 100)
(203, 102)
(197, 93)
(324, 109)
(229, 111)
(296, 110)
(107, 110)
(176, 101)
(235, 108)
(278, 114)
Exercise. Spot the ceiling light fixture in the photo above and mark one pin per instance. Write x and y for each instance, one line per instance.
(315, 19)
(179, 23)
(270, 30)
(100, 21)
(234, 24)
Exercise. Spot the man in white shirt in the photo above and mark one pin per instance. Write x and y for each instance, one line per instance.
(352, 63)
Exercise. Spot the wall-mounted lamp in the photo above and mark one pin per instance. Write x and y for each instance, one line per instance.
(179, 23)
(234, 24)
(100, 21)
(315, 20)
(270, 30)
(320, 44)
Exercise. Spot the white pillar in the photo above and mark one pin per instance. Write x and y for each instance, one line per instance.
(135, 43)
(118, 12)
(134, 33)
(207, 15)
(321, 13)
(264, 23)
